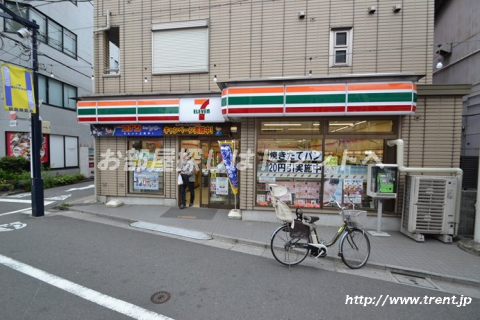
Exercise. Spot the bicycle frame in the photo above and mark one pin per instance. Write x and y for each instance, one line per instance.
(321, 245)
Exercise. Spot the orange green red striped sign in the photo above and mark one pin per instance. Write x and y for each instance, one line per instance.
(320, 99)
(129, 111)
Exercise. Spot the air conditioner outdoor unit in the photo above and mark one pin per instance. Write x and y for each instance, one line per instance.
(429, 207)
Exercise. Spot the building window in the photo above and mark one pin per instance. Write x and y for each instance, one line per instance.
(180, 47)
(49, 32)
(54, 35)
(63, 152)
(341, 47)
(112, 54)
(41, 20)
(69, 93)
(145, 165)
(56, 93)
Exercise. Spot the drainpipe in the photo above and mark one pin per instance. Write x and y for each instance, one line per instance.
(108, 24)
(94, 32)
(457, 171)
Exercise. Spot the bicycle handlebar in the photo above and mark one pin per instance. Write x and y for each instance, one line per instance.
(335, 202)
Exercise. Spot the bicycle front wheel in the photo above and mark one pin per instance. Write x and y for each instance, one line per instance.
(355, 248)
(286, 250)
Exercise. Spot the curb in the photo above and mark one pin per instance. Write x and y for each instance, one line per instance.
(372, 265)
(101, 215)
(470, 246)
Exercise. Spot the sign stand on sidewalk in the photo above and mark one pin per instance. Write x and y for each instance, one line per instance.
(235, 213)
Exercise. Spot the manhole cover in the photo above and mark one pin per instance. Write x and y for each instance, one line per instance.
(160, 297)
(417, 281)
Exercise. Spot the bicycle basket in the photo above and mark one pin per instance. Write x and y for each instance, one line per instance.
(354, 218)
(300, 230)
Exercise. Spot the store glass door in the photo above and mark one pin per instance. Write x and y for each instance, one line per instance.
(216, 190)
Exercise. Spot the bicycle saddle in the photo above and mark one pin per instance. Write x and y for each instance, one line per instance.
(310, 219)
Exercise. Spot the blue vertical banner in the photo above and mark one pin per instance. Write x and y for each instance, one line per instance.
(226, 149)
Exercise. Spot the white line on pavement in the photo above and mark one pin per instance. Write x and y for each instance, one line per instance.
(4, 214)
(82, 188)
(23, 201)
(15, 200)
(111, 303)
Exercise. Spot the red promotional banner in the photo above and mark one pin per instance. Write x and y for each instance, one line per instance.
(18, 145)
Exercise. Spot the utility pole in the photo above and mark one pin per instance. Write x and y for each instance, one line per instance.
(38, 209)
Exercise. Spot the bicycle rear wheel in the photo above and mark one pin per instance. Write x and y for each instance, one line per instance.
(355, 248)
(286, 250)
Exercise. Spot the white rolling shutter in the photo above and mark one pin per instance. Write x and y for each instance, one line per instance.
(180, 48)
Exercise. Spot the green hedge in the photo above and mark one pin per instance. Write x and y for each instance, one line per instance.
(14, 164)
(15, 175)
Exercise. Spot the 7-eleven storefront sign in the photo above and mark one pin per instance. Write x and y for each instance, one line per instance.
(194, 110)
(178, 110)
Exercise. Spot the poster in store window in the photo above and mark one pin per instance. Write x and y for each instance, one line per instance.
(18, 145)
(145, 180)
(222, 186)
(353, 190)
(213, 184)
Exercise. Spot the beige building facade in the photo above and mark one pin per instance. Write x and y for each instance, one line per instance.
(304, 93)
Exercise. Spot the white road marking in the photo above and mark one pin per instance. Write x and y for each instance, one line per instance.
(16, 211)
(15, 201)
(23, 201)
(21, 195)
(82, 188)
(12, 226)
(59, 198)
(101, 299)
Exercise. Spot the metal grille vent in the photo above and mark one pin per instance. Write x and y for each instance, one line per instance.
(430, 205)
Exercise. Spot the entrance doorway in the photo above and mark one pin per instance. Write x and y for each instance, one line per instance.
(212, 188)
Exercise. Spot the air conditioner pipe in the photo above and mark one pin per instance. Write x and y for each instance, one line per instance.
(457, 171)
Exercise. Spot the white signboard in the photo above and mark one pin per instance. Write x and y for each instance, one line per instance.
(198, 110)
(306, 155)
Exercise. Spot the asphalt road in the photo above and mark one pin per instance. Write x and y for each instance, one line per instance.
(53, 196)
(91, 270)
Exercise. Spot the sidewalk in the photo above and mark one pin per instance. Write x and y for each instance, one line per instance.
(397, 253)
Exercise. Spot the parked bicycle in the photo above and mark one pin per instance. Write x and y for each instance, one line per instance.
(297, 237)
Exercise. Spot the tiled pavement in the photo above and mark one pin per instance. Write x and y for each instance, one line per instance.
(398, 252)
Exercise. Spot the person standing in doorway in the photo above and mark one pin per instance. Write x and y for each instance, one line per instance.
(187, 171)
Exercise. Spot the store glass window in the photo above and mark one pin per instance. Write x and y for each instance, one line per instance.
(320, 161)
(294, 163)
(345, 171)
(145, 165)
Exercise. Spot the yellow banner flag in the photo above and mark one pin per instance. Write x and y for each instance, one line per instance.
(18, 89)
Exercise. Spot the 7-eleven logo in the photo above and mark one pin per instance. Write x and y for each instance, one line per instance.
(203, 105)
